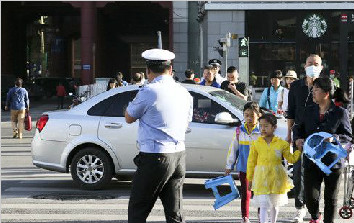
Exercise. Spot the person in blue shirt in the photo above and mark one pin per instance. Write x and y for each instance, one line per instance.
(269, 96)
(18, 102)
(164, 109)
(209, 77)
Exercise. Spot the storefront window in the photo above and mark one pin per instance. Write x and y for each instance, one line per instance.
(271, 25)
(268, 57)
(278, 41)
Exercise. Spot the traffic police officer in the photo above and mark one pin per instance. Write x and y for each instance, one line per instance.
(164, 109)
(217, 65)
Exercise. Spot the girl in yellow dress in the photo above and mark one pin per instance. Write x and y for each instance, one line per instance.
(266, 175)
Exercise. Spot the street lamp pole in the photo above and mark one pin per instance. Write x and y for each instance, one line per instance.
(42, 51)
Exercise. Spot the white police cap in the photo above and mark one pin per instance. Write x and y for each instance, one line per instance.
(158, 54)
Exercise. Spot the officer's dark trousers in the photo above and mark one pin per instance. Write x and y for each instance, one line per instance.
(298, 179)
(313, 178)
(157, 175)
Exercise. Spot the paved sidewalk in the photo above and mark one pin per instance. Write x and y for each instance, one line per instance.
(37, 108)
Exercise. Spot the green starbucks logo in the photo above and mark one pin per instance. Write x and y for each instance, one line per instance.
(314, 26)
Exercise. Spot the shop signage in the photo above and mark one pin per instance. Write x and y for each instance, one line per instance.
(344, 18)
(314, 26)
(86, 67)
(243, 47)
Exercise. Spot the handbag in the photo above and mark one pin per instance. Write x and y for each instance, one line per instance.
(28, 121)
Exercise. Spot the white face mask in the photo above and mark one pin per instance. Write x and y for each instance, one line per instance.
(313, 71)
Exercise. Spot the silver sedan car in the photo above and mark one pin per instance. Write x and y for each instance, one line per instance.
(94, 143)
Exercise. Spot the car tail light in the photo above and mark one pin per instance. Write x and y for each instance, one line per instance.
(42, 121)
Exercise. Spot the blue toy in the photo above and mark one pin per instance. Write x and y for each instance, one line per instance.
(315, 148)
(222, 200)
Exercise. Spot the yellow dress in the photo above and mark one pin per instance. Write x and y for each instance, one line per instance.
(268, 175)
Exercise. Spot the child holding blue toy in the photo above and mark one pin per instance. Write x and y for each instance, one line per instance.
(266, 175)
(239, 150)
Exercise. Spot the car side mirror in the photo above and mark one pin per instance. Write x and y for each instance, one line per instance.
(225, 118)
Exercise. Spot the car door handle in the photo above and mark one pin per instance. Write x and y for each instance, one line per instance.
(113, 125)
(188, 130)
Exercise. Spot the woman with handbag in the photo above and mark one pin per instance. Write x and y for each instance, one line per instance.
(18, 102)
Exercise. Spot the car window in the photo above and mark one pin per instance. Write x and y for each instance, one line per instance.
(113, 106)
(206, 109)
(100, 108)
(230, 98)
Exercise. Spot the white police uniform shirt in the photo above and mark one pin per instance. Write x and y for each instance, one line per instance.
(219, 79)
(164, 109)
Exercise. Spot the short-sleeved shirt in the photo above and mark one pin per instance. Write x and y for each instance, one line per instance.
(17, 98)
(61, 91)
(240, 86)
(219, 79)
(283, 97)
(263, 102)
(164, 109)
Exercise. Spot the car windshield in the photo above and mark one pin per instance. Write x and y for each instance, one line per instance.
(229, 98)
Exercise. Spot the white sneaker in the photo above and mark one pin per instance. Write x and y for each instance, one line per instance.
(245, 220)
(300, 214)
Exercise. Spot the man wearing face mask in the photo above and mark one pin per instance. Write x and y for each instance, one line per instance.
(300, 96)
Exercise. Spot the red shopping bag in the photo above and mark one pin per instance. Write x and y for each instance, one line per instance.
(28, 122)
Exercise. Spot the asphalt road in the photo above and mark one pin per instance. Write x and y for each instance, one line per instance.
(29, 194)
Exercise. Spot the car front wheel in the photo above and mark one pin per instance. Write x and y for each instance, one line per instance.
(91, 168)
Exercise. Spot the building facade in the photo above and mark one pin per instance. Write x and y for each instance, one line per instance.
(96, 39)
(81, 39)
(281, 35)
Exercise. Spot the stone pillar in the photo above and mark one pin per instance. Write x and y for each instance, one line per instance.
(193, 37)
(88, 34)
(180, 37)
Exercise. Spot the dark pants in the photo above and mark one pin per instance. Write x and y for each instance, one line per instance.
(60, 101)
(157, 175)
(313, 178)
(245, 195)
(298, 179)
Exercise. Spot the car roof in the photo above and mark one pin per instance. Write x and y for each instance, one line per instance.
(204, 90)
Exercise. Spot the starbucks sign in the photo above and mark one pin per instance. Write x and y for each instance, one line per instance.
(314, 26)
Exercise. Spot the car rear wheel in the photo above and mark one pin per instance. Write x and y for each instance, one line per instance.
(91, 168)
